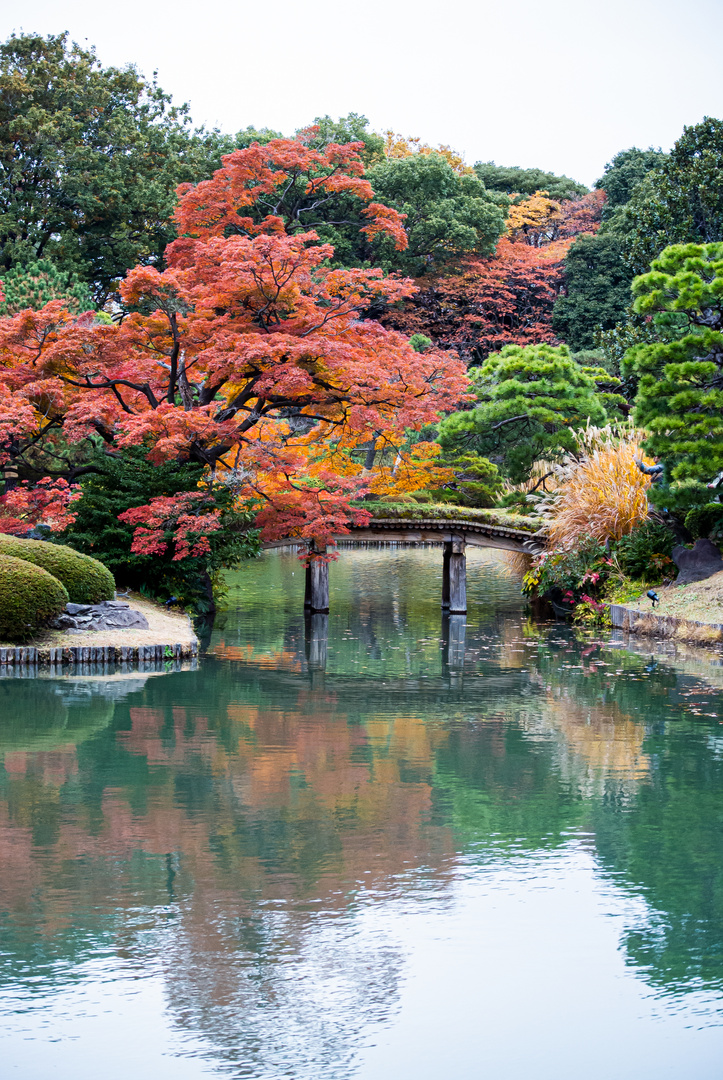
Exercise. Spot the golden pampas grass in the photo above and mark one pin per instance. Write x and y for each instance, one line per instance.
(602, 494)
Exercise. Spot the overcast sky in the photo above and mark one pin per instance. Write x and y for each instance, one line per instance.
(562, 86)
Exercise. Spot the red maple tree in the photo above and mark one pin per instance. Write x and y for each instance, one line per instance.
(245, 352)
(506, 299)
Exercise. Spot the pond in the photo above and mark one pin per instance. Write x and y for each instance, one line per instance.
(376, 846)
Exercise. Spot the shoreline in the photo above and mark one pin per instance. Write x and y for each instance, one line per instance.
(169, 637)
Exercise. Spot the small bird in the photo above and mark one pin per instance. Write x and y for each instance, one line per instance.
(652, 595)
(171, 601)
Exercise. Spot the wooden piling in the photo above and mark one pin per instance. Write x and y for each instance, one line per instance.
(454, 577)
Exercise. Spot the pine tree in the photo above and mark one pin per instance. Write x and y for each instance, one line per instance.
(680, 396)
(531, 402)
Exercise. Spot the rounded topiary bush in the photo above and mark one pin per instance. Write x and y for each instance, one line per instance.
(29, 598)
(86, 579)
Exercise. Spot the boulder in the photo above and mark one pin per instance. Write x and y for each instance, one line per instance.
(109, 615)
(697, 563)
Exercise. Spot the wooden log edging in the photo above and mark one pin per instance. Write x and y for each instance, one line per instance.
(95, 654)
(668, 627)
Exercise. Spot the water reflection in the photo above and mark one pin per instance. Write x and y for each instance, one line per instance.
(252, 841)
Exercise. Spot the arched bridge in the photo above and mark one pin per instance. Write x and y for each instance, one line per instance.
(452, 532)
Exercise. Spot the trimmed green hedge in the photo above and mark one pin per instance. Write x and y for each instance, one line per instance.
(86, 579)
(29, 598)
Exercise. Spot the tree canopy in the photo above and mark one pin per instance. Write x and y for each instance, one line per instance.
(89, 161)
(513, 180)
(247, 354)
(446, 214)
(679, 201)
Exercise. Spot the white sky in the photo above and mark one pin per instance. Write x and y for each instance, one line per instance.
(554, 84)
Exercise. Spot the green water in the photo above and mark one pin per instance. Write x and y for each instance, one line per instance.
(376, 847)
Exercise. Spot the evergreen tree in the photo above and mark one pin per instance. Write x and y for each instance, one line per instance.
(680, 395)
(597, 291)
(90, 158)
(532, 400)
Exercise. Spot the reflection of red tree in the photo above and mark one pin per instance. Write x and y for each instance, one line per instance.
(308, 768)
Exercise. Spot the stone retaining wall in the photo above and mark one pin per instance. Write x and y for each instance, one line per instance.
(95, 654)
(667, 627)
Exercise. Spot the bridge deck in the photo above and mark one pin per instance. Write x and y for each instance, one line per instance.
(420, 530)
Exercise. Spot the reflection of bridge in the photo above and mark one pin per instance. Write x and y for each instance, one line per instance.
(453, 534)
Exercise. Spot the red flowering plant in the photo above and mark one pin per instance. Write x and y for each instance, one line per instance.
(570, 577)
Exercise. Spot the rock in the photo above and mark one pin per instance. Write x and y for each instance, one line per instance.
(115, 619)
(109, 615)
(697, 563)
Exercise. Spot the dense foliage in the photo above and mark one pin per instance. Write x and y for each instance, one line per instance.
(680, 401)
(127, 481)
(89, 161)
(34, 284)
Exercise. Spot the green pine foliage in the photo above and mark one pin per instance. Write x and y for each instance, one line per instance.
(36, 283)
(532, 400)
(30, 598)
(86, 580)
(680, 396)
(477, 482)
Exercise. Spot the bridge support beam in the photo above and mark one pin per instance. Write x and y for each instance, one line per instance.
(454, 577)
(316, 592)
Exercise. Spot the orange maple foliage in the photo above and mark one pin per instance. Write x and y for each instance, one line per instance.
(248, 345)
(50, 501)
(281, 187)
(399, 146)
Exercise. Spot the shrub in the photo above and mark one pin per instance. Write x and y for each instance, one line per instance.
(705, 521)
(86, 579)
(29, 598)
(126, 481)
(645, 552)
(565, 575)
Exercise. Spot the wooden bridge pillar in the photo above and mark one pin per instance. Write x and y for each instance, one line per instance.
(316, 591)
(316, 633)
(454, 577)
(454, 629)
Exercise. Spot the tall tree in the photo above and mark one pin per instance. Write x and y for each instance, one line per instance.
(680, 396)
(89, 161)
(596, 291)
(446, 214)
(680, 201)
